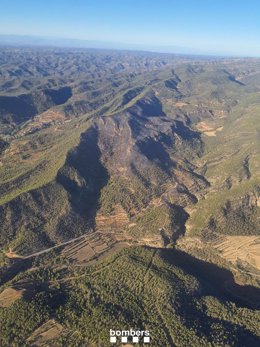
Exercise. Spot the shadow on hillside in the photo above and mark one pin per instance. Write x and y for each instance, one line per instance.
(214, 280)
(16, 266)
(83, 176)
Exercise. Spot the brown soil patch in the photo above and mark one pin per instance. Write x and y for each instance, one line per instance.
(12, 255)
(208, 129)
(213, 132)
(177, 103)
(49, 117)
(116, 221)
(181, 104)
(21, 289)
(202, 126)
(46, 333)
(9, 296)
(155, 202)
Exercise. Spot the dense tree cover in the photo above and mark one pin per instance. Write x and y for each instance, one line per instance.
(237, 221)
(138, 288)
(22, 318)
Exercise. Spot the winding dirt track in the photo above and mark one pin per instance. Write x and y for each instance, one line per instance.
(17, 256)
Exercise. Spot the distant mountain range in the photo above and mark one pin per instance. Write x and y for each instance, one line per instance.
(28, 40)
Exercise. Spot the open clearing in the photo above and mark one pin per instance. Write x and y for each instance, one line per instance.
(9, 296)
(208, 129)
(239, 248)
(95, 247)
(45, 334)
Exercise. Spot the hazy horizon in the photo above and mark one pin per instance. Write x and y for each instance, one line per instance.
(191, 27)
(13, 40)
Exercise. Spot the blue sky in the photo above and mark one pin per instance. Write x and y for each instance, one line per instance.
(223, 26)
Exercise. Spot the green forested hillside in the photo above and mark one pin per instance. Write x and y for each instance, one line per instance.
(142, 288)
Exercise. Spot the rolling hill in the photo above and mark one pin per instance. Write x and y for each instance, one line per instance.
(131, 171)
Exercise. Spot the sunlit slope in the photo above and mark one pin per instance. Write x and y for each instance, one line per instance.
(231, 163)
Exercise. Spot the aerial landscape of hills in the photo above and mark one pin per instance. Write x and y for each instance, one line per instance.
(129, 197)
